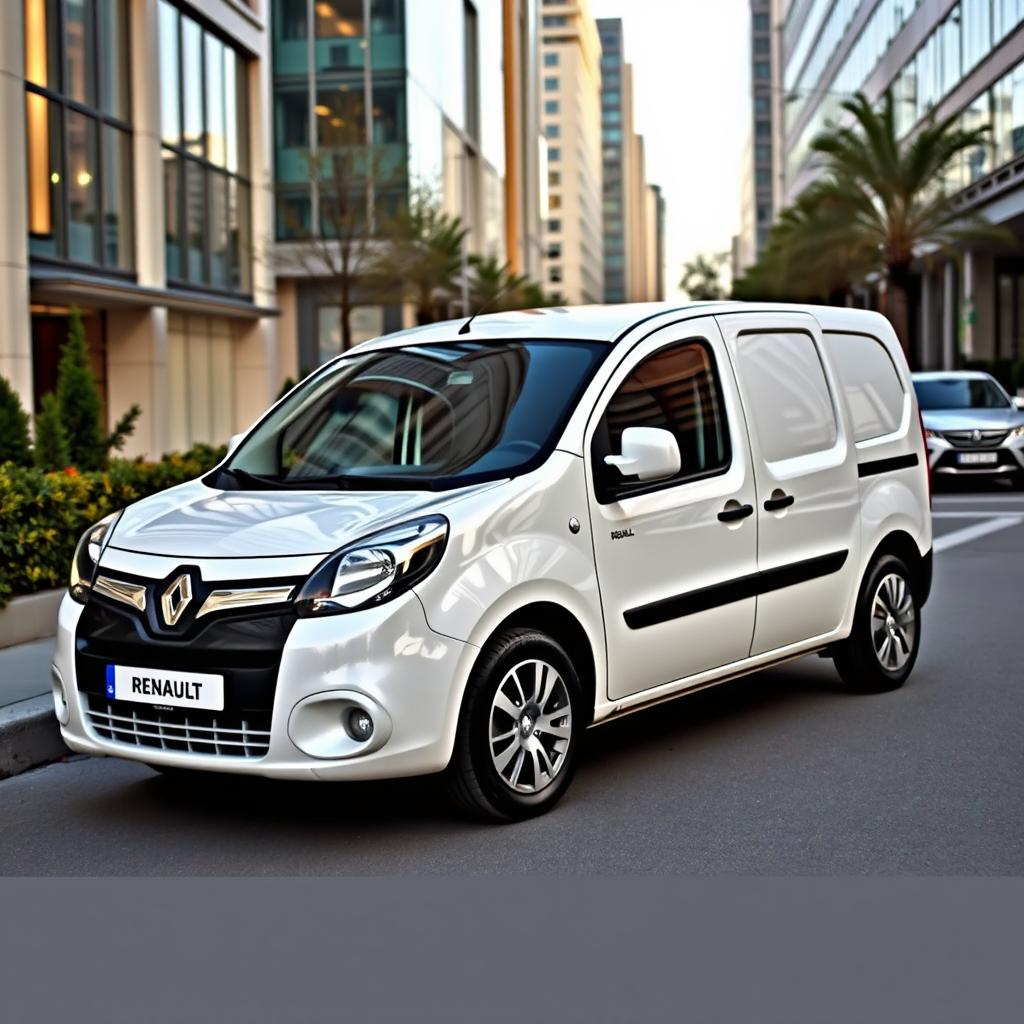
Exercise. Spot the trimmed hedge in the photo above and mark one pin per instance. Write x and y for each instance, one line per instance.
(42, 515)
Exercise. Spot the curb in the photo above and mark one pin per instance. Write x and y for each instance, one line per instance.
(29, 736)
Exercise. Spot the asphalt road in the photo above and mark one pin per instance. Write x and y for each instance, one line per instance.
(778, 773)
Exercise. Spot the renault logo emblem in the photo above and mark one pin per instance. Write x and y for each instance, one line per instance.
(975, 435)
(176, 599)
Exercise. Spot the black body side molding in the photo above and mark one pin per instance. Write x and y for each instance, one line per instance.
(887, 465)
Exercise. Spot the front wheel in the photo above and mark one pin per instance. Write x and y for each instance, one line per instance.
(882, 647)
(515, 751)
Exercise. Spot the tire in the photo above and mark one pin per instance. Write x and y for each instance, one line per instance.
(879, 654)
(482, 777)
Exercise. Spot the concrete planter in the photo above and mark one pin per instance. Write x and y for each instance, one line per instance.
(33, 617)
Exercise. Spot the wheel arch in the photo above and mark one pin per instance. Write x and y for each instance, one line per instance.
(566, 629)
(901, 544)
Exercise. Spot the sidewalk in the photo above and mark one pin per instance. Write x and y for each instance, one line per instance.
(29, 734)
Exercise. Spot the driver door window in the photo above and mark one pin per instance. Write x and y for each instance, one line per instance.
(676, 389)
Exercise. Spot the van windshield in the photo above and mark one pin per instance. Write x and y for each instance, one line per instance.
(423, 416)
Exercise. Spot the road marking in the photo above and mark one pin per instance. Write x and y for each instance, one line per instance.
(969, 533)
(976, 514)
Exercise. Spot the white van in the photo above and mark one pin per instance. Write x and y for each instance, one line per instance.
(455, 548)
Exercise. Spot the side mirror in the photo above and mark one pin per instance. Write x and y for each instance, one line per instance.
(234, 441)
(648, 453)
(1018, 401)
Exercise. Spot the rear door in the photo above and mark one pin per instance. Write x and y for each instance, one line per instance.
(805, 466)
(674, 557)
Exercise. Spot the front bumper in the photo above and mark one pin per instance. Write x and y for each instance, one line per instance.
(386, 659)
(944, 461)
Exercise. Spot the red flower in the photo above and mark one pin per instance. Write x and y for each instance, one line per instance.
(71, 471)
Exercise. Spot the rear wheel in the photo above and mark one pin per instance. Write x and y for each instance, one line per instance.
(882, 647)
(515, 752)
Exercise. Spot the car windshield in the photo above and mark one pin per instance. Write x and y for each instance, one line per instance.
(424, 416)
(959, 393)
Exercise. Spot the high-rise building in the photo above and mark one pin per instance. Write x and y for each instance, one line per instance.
(136, 185)
(571, 109)
(630, 211)
(758, 176)
(427, 128)
(430, 98)
(962, 58)
(655, 244)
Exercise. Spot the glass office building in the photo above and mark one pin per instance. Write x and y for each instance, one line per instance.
(962, 58)
(134, 139)
(412, 119)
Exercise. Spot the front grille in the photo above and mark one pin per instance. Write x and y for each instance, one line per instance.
(198, 732)
(966, 438)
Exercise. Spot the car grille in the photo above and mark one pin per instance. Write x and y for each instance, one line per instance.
(966, 438)
(192, 731)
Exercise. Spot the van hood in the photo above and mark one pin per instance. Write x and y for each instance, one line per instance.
(196, 521)
(968, 419)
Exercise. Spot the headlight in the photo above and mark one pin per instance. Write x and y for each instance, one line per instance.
(375, 569)
(87, 556)
(1017, 432)
(932, 435)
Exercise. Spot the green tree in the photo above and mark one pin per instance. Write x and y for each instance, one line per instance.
(14, 445)
(879, 204)
(51, 448)
(493, 287)
(421, 261)
(80, 407)
(702, 277)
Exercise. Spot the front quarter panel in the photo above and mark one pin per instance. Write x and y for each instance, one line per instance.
(513, 546)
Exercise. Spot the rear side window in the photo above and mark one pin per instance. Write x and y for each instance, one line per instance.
(786, 393)
(871, 384)
(675, 389)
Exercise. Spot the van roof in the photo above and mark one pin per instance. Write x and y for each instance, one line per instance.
(603, 323)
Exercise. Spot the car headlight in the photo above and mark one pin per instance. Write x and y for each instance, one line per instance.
(375, 569)
(932, 435)
(87, 556)
(1017, 432)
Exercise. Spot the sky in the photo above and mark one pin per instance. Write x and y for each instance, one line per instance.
(691, 78)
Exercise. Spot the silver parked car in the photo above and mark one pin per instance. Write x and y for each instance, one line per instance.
(972, 426)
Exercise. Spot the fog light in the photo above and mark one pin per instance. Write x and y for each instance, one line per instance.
(359, 725)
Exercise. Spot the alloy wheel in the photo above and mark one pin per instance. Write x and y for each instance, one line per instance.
(530, 726)
(893, 622)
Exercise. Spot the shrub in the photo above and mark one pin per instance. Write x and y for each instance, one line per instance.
(51, 448)
(13, 427)
(81, 410)
(42, 514)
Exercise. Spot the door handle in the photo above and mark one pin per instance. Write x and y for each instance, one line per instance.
(731, 513)
(778, 500)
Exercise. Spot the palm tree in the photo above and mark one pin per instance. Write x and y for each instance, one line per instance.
(885, 202)
(421, 261)
(701, 278)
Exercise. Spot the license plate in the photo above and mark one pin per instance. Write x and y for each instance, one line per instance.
(173, 689)
(977, 458)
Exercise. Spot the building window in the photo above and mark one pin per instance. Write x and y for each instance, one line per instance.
(554, 154)
(555, 251)
(78, 132)
(761, 23)
(554, 202)
(551, 106)
(612, 115)
(762, 105)
(763, 176)
(554, 226)
(763, 129)
(553, 131)
(554, 275)
(551, 84)
(763, 154)
(204, 124)
(762, 70)
(551, 60)
(555, 21)
(554, 179)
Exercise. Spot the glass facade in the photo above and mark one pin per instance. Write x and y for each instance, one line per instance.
(968, 34)
(78, 132)
(613, 156)
(204, 129)
(427, 114)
